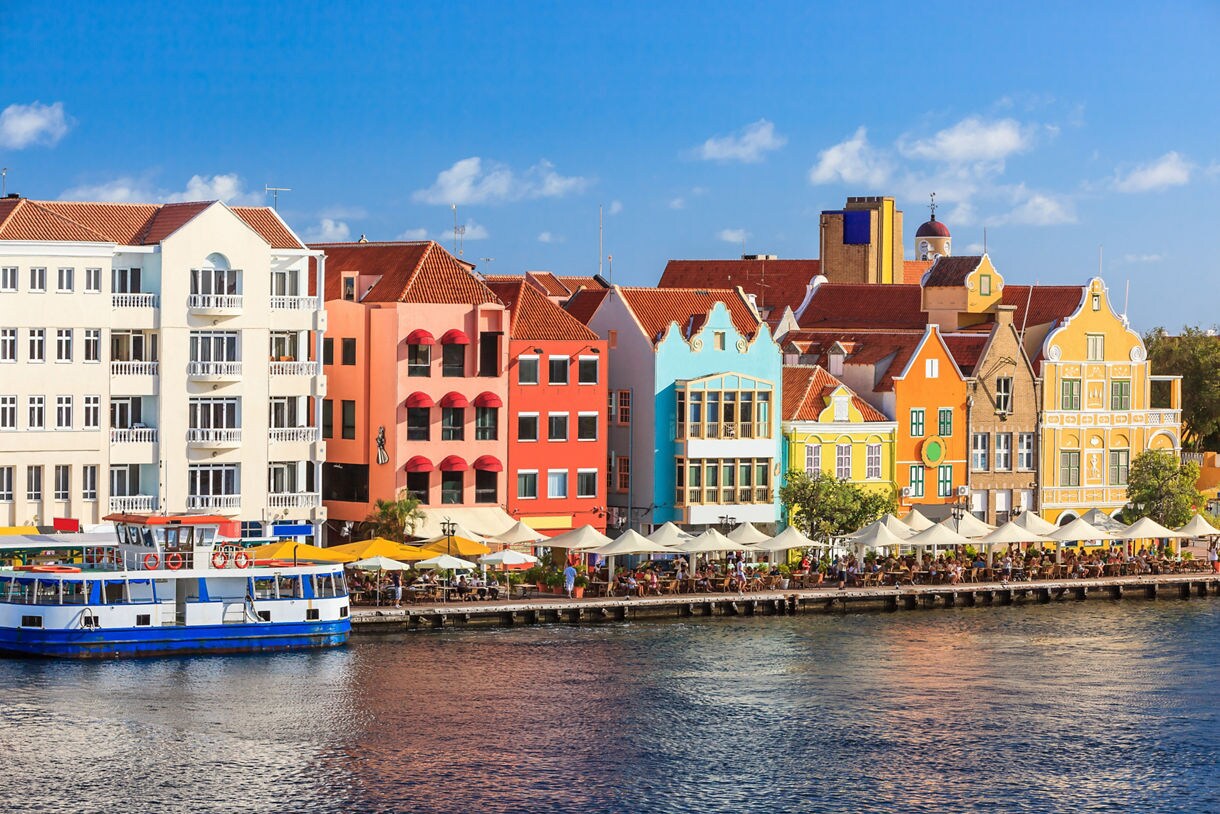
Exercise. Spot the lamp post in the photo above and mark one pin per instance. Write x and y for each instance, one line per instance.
(447, 528)
(727, 520)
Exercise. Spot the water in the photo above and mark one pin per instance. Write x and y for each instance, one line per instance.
(1089, 707)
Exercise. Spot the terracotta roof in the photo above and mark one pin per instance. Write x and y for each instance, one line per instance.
(1049, 303)
(913, 270)
(966, 349)
(547, 283)
(268, 224)
(29, 221)
(951, 272)
(806, 392)
(118, 223)
(888, 351)
(774, 283)
(167, 220)
(932, 228)
(575, 282)
(536, 318)
(656, 308)
(584, 303)
(420, 272)
(864, 305)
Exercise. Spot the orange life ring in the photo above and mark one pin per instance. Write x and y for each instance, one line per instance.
(241, 559)
(173, 561)
(219, 560)
(151, 561)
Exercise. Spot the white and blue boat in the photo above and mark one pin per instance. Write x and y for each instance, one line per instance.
(162, 585)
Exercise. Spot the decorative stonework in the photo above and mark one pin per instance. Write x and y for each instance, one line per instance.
(1138, 354)
(696, 344)
(741, 346)
(1054, 353)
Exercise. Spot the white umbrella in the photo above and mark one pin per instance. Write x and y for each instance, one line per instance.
(1198, 527)
(1078, 530)
(968, 526)
(1030, 521)
(508, 558)
(878, 535)
(1099, 519)
(1146, 528)
(518, 534)
(669, 535)
(445, 562)
(379, 564)
(1012, 532)
(889, 522)
(916, 520)
(585, 537)
(747, 534)
(790, 537)
(938, 536)
(630, 542)
(709, 541)
(458, 531)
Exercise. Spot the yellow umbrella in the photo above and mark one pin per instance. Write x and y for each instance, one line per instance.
(284, 550)
(456, 546)
(381, 547)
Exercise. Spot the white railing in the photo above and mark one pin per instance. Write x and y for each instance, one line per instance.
(223, 435)
(133, 368)
(214, 302)
(133, 435)
(290, 302)
(294, 434)
(211, 502)
(294, 368)
(133, 503)
(214, 369)
(137, 299)
(294, 500)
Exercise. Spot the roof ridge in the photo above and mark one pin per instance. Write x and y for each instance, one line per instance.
(38, 205)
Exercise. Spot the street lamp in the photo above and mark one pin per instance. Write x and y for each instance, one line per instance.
(447, 529)
(727, 520)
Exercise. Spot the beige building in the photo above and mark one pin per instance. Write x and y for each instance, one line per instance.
(157, 358)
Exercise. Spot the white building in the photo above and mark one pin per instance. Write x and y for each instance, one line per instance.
(157, 358)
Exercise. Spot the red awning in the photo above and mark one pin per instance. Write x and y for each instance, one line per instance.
(454, 400)
(455, 337)
(418, 399)
(454, 463)
(420, 337)
(419, 464)
(488, 400)
(489, 463)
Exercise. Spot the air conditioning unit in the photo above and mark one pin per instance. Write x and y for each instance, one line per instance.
(905, 491)
(963, 491)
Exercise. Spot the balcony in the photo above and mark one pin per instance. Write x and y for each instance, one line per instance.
(726, 496)
(294, 500)
(288, 302)
(292, 435)
(133, 368)
(218, 305)
(223, 438)
(133, 435)
(214, 371)
(133, 300)
(293, 368)
(213, 503)
(714, 430)
(133, 503)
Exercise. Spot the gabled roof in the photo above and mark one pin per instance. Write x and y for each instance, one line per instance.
(575, 282)
(656, 308)
(913, 270)
(951, 272)
(865, 305)
(775, 284)
(584, 303)
(1049, 303)
(967, 349)
(887, 351)
(547, 283)
(807, 390)
(268, 223)
(534, 317)
(418, 271)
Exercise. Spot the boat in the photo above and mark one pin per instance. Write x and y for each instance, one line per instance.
(162, 585)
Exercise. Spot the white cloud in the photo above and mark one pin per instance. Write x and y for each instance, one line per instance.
(615, 208)
(474, 231)
(748, 145)
(1039, 209)
(549, 237)
(130, 189)
(413, 234)
(1142, 258)
(853, 162)
(971, 139)
(33, 124)
(733, 235)
(973, 249)
(677, 203)
(227, 188)
(469, 182)
(1170, 170)
(328, 230)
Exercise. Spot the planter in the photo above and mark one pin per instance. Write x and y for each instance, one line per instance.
(783, 583)
(578, 592)
(541, 586)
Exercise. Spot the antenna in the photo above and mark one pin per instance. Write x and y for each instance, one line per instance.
(984, 240)
(4, 182)
(275, 195)
(459, 232)
(610, 263)
(600, 239)
(1126, 299)
(932, 206)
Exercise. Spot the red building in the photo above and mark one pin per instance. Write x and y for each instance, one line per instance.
(557, 391)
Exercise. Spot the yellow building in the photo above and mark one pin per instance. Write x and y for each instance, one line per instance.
(1101, 407)
(828, 428)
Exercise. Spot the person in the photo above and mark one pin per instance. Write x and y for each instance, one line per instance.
(569, 579)
(493, 587)
(396, 581)
(1214, 558)
(632, 583)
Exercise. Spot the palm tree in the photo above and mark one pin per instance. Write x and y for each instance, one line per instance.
(394, 519)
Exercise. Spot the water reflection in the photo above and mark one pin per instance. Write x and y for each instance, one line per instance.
(1094, 706)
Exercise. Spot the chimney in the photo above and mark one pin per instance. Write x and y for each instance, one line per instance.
(1004, 315)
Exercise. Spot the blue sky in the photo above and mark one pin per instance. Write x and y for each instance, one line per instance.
(700, 127)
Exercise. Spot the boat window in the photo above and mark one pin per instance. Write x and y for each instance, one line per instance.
(325, 586)
(22, 592)
(340, 584)
(264, 588)
(146, 539)
(140, 590)
(205, 535)
(115, 591)
(74, 592)
(290, 587)
(6, 584)
(47, 592)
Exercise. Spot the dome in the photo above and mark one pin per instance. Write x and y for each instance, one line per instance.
(933, 228)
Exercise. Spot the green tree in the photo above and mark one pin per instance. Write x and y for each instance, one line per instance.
(393, 519)
(821, 506)
(1162, 486)
(1194, 355)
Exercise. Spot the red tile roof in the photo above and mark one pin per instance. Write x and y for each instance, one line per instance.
(967, 349)
(806, 392)
(951, 272)
(575, 282)
(169, 219)
(534, 317)
(656, 308)
(774, 283)
(547, 283)
(1049, 303)
(864, 305)
(28, 221)
(118, 223)
(887, 351)
(269, 225)
(420, 272)
(584, 303)
(913, 270)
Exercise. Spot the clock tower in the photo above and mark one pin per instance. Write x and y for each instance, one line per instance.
(932, 237)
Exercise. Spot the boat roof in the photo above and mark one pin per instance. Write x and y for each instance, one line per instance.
(167, 519)
(44, 542)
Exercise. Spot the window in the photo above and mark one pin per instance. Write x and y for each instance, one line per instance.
(624, 407)
(417, 486)
(63, 345)
(453, 423)
(945, 422)
(557, 370)
(328, 418)
(88, 479)
(348, 351)
(1120, 463)
(586, 483)
(486, 489)
(33, 483)
(8, 344)
(125, 281)
(612, 339)
(980, 446)
(1120, 394)
(453, 360)
(718, 340)
(586, 427)
(931, 368)
(813, 458)
(93, 345)
(213, 414)
(527, 370)
(63, 481)
(38, 344)
(8, 412)
(916, 481)
(1069, 468)
(8, 278)
(419, 423)
(586, 370)
(489, 353)
(214, 346)
(419, 360)
(38, 280)
(38, 412)
(348, 430)
(985, 285)
(944, 481)
(328, 351)
(1003, 451)
(917, 423)
(6, 484)
(872, 461)
(557, 427)
(527, 484)
(349, 287)
(93, 281)
(1096, 347)
(63, 412)
(843, 461)
(451, 488)
(486, 421)
(622, 468)
(93, 412)
(1096, 302)
(527, 427)
(1003, 394)
(213, 480)
(1069, 394)
(63, 282)
(557, 483)
(1025, 451)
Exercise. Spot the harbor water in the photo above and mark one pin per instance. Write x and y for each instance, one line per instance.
(1094, 706)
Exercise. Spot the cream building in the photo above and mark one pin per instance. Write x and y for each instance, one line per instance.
(157, 358)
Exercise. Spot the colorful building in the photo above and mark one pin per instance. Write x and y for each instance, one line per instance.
(556, 413)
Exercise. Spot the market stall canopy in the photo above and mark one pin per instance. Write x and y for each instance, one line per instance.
(711, 541)
(1198, 527)
(381, 547)
(878, 535)
(1012, 532)
(968, 526)
(746, 534)
(790, 537)
(1030, 521)
(1147, 529)
(581, 539)
(379, 564)
(630, 542)
(519, 533)
(891, 523)
(507, 558)
(446, 563)
(669, 535)
(939, 536)
(916, 520)
(1077, 531)
(288, 550)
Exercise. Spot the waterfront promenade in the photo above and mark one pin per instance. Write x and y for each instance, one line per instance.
(551, 609)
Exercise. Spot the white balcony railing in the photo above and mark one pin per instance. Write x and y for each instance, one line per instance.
(137, 299)
(290, 302)
(214, 302)
(133, 503)
(133, 435)
(294, 368)
(224, 369)
(214, 436)
(294, 500)
(213, 502)
(133, 368)
(290, 435)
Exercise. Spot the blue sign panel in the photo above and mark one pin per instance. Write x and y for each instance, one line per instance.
(287, 530)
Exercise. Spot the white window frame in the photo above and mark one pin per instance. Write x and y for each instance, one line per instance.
(88, 486)
(931, 368)
(63, 346)
(944, 485)
(8, 413)
(65, 274)
(1025, 449)
(813, 457)
(567, 369)
(33, 483)
(63, 409)
(1003, 452)
(1003, 394)
(922, 414)
(37, 412)
(38, 341)
(843, 461)
(567, 426)
(6, 484)
(980, 452)
(597, 369)
(8, 345)
(521, 472)
(915, 477)
(537, 427)
(592, 472)
(93, 280)
(195, 471)
(93, 341)
(549, 493)
(93, 413)
(872, 462)
(596, 431)
(529, 357)
(62, 482)
(8, 278)
(38, 280)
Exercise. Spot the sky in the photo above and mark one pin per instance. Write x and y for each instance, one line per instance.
(1079, 136)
